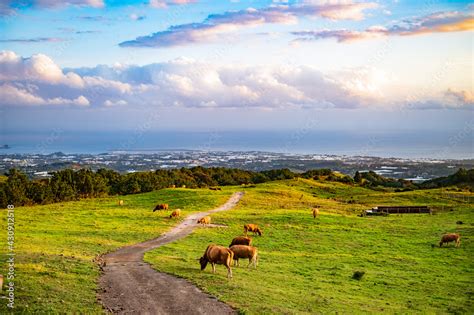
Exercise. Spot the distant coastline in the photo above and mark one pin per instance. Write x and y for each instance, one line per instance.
(39, 165)
(341, 143)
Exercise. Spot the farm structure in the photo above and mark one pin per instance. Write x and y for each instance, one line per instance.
(385, 210)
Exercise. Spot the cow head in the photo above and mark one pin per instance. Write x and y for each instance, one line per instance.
(259, 232)
(203, 261)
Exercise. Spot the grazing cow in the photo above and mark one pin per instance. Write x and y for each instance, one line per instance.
(215, 254)
(252, 228)
(176, 213)
(215, 188)
(315, 212)
(162, 206)
(245, 251)
(204, 220)
(120, 203)
(241, 240)
(450, 237)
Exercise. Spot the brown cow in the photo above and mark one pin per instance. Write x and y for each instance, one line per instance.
(252, 228)
(241, 240)
(315, 212)
(215, 254)
(176, 213)
(450, 237)
(162, 206)
(204, 220)
(245, 251)
(120, 203)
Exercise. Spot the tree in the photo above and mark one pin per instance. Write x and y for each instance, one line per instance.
(3, 197)
(357, 177)
(63, 186)
(16, 188)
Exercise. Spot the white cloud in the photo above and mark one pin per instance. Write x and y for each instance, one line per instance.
(109, 103)
(38, 67)
(136, 17)
(13, 95)
(160, 4)
(441, 22)
(38, 80)
(9, 7)
(215, 25)
(78, 3)
(189, 83)
(459, 98)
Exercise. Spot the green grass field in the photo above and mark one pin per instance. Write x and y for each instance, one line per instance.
(56, 244)
(305, 265)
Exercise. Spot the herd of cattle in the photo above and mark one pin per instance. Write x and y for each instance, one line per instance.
(241, 246)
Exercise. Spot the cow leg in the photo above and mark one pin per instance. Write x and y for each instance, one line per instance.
(229, 272)
(213, 267)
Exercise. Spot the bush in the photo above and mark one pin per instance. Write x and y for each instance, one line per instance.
(358, 275)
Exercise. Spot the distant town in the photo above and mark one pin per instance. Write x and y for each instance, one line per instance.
(40, 166)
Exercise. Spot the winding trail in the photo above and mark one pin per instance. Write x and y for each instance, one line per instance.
(130, 286)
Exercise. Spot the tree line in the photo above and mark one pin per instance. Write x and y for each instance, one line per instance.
(67, 184)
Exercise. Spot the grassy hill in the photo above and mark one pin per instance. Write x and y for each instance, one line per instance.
(56, 244)
(305, 264)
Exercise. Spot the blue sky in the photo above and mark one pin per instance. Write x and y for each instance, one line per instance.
(110, 65)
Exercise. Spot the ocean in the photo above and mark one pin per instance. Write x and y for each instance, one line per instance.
(402, 144)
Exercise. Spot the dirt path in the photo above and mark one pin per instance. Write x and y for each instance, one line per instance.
(129, 285)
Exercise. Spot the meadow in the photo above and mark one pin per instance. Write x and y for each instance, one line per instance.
(55, 244)
(305, 266)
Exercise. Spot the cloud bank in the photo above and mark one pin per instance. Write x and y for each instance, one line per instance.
(440, 22)
(217, 24)
(39, 81)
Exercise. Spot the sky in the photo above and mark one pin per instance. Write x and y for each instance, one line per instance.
(98, 65)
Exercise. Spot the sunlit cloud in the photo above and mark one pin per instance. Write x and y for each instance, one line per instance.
(14, 95)
(441, 22)
(217, 24)
(462, 97)
(183, 82)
